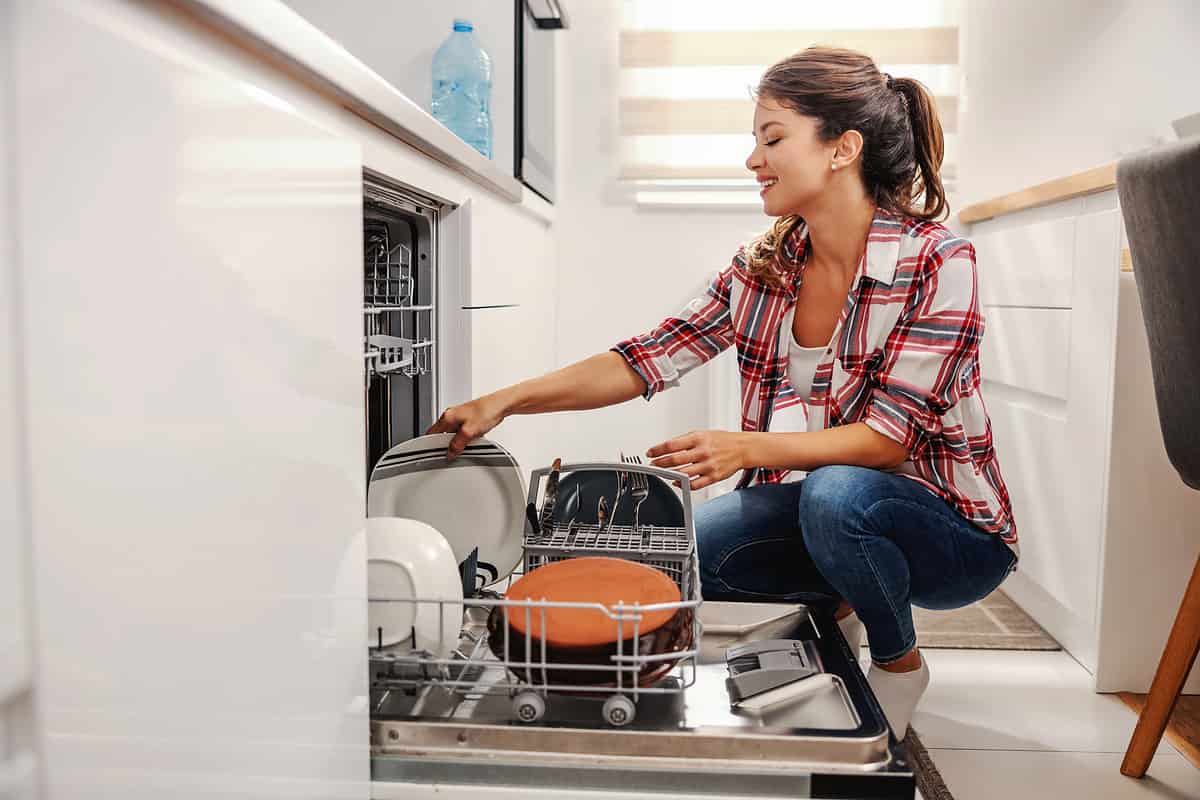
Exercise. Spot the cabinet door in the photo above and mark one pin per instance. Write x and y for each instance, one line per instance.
(510, 345)
(1047, 368)
(191, 284)
(17, 751)
(511, 255)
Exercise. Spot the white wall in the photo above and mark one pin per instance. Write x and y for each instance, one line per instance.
(622, 269)
(397, 39)
(1056, 87)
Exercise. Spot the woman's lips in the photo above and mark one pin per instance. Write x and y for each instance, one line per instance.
(766, 188)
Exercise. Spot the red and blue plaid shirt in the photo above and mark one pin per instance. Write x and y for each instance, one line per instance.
(903, 358)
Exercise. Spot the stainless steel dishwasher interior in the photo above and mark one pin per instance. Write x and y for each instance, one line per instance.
(831, 744)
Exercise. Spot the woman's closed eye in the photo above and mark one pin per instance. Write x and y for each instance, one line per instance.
(773, 141)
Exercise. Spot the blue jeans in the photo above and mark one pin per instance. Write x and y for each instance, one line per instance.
(878, 540)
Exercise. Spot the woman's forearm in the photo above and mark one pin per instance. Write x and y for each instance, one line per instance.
(602, 380)
(855, 444)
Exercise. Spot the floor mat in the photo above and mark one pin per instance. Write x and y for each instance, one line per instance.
(993, 623)
(928, 779)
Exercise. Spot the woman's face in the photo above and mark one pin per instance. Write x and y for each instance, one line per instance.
(789, 160)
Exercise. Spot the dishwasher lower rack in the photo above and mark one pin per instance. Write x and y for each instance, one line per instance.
(528, 673)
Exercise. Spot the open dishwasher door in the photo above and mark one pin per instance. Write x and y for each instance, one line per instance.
(830, 742)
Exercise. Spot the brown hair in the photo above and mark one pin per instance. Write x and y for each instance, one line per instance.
(902, 136)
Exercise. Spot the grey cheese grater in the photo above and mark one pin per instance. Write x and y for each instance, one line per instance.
(758, 667)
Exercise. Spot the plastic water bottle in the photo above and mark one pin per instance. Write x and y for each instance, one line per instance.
(462, 87)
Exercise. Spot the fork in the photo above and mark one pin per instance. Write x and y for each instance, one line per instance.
(622, 487)
(639, 487)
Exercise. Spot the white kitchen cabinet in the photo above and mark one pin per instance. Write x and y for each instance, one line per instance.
(1026, 265)
(1107, 542)
(1046, 281)
(15, 660)
(511, 253)
(511, 290)
(508, 345)
(18, 745)
(190, 262)
(186, 389)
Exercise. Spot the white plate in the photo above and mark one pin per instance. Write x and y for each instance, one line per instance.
(408, 560)
(476, 500)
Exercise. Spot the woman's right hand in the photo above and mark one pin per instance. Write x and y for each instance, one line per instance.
(468, 422)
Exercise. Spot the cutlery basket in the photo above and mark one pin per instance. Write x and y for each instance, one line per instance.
(671, 549)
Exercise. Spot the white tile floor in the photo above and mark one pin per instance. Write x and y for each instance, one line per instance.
(1008, 724)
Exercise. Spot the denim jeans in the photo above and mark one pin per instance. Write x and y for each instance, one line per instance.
(878, 540)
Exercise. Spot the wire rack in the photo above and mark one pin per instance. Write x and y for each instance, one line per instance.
(664, 548)
(529, 673)
(397, 333)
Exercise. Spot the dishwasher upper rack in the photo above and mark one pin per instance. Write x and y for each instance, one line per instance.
(397, 333)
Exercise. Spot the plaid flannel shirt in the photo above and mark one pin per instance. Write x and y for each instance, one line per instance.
(903, 358)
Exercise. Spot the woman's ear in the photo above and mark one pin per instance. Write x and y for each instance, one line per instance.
(849, 148)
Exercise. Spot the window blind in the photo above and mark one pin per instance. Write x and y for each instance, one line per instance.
(687, 69)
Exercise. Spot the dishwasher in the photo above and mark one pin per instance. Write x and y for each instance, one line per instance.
(763, 700)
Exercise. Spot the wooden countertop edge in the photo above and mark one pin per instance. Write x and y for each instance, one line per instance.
(1097, 179)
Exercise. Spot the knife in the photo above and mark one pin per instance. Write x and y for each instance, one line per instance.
(531, 514)
(551, 497)
(616, 499)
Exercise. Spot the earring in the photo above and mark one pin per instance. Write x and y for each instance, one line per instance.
(833, 165)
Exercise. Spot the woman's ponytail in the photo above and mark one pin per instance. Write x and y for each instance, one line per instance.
(928, 149)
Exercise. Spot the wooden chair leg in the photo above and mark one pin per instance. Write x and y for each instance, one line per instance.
(1173, 668)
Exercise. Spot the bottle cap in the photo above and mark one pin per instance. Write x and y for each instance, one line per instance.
(463, 25)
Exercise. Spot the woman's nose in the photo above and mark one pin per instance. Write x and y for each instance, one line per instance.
(753, 160)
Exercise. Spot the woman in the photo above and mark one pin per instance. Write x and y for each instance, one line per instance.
(869, 472)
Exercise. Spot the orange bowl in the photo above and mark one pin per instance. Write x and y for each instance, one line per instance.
(588, 637)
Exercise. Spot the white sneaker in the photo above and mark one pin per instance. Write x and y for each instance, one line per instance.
(854, 631)
(898, 693)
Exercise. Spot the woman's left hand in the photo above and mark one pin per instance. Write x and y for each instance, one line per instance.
(707, 456)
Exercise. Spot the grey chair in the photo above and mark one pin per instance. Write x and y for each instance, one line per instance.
(1160, 200)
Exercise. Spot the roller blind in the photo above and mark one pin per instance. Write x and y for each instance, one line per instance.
(687, 68)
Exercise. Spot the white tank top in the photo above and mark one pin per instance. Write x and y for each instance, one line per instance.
(802, 367)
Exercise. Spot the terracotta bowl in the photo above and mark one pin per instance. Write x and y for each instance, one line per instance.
(588, 636)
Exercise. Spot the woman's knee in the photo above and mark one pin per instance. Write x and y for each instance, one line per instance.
(833, 503)
(718, 524)
(837, 492)
(829, 487)
(725, 521)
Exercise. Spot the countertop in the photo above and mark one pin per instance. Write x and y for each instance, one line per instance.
(1097, 179)
(283, 36)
